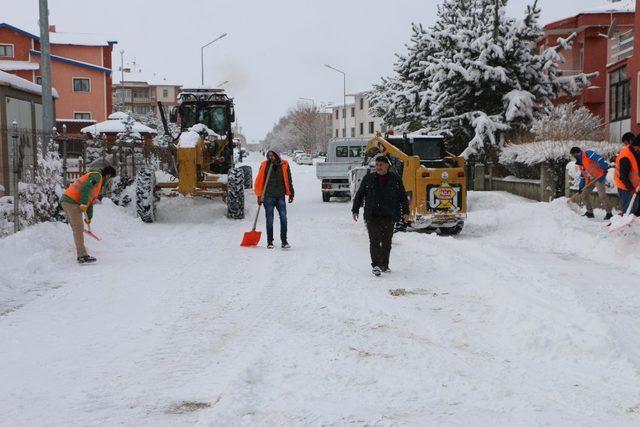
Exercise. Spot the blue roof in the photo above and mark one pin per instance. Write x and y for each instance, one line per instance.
(74, 62)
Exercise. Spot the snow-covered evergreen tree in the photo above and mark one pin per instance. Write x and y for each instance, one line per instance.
(96, 148)
(124, 145)
(477, 75)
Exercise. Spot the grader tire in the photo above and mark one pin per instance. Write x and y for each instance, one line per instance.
(451, 231)
(248, 176)
(145, 195)
(235, 194)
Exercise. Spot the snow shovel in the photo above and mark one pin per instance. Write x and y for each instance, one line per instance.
(576, 196)
(89, 233)
(621, 221)
(252, 238)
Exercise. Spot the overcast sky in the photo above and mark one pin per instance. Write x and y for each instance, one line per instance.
(275, 50)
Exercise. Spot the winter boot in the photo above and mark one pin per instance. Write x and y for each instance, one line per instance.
(588, 214)
(608, 216)
(376, 271)
(270, 245)
(286, 245)
(86, 259)
(386, 270)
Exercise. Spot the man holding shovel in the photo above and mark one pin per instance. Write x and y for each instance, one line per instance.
(78, 199)
(272, 184)
(627, 176)
(593, 169)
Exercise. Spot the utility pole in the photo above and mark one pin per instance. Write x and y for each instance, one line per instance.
(121, 67)
(45, 67)
(344, 93)
(496, 21)
(64, 155)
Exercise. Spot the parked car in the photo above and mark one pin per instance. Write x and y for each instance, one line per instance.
(305, 159)
(342, 156)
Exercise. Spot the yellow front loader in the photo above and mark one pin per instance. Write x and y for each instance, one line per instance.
(434, 179)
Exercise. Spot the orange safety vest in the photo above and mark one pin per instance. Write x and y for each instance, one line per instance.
(258, 186)
(590, 169)
(75, 189)
(634, 174)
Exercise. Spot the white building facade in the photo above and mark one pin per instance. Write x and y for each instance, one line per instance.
(360, 124)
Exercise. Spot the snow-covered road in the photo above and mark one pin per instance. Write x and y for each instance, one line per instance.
(529, 317)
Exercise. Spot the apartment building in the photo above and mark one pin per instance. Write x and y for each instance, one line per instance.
(80, 69)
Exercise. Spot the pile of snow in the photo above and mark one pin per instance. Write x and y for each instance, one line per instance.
(203, 129)
(188, 139)
(19, 83)
(542, 151)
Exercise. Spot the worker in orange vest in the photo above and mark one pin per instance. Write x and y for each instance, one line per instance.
(592, 166)
(627, 175)
(273, 192)
(78, 199)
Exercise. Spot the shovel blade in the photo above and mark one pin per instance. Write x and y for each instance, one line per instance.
(90, 234)
(620, 222)
(251, 238)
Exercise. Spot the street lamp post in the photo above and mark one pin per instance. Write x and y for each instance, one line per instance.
(344, 82)
(202, 54)
(48, 120)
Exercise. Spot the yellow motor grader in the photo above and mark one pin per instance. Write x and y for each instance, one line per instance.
(435, 180)
(202, 155)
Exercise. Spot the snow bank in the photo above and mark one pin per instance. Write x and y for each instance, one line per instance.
(541, 151)
(116, 124)
(9, 65)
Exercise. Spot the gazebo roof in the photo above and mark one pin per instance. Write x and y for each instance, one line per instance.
(115, 124)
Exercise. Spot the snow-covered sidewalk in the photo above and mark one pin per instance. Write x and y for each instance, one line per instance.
(529, 317)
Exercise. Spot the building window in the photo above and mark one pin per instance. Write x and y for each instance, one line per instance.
(371, 128)
(81, 85)
(140, 93)
(353, 111)
(344, 113)
(362, 103)
(344, 133)
(361, 128)
(82, 116)
(619, 95)
(353, 132)
(39, 80)
(142, 109)
(6, 50)
(165, 93)
(337, 133)
(337, 115)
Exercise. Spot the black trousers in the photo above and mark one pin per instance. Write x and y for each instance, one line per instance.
(380, 230)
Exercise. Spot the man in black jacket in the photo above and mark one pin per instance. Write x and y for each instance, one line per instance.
(385, 202)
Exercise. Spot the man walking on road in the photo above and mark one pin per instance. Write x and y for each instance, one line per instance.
(385, 203)
(273, 192)
(78, 200)
(627, 176)
(592, 167)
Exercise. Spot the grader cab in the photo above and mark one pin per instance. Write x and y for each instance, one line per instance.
(202, 155)
(434, 179)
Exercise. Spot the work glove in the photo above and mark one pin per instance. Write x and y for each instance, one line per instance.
(290, 199)
(87, 221)
(84, 208)
(259, 200)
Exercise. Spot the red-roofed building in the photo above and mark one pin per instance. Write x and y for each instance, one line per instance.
(634, 65)
(80, 69)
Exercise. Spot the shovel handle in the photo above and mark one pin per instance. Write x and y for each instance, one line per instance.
(266, 182)
(633, 200)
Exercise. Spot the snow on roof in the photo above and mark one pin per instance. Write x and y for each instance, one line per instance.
(76, 39)
(9, 65)
(118, 115)
(19, 83)
(188, 139)
(623, 6)
(115, 126)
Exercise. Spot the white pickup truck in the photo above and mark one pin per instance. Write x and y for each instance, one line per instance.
(342, 156)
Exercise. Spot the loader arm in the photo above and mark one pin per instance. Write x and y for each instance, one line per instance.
(385, 148)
